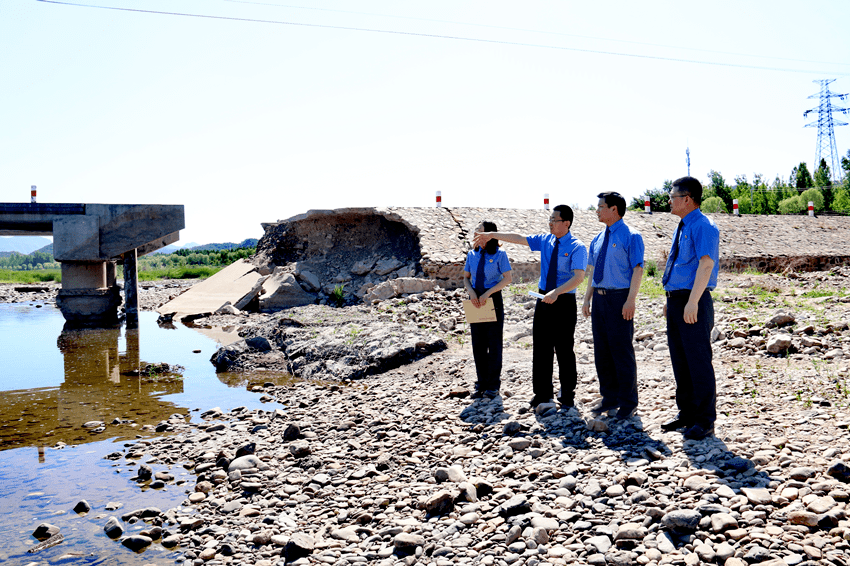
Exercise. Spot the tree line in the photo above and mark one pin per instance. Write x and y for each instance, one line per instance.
(181, 258)
(17, 261)
(782, 196)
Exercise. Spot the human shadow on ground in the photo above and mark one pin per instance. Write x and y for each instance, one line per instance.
(485, 411)
(627, 437)
(712, 455)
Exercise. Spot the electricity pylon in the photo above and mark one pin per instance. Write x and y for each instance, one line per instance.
(825, 123)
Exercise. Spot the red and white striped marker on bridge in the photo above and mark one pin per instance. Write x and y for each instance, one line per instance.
(735, 206)
(32, 194)
(811, 208)
(647, 207)
(439, 198)
(545, 201)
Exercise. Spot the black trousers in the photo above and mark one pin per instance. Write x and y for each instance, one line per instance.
(690, 354)
(613, 350)
(554, 334)
(487, 348)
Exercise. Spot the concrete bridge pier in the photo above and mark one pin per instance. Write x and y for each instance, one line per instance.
(131, 288)
(90, 293)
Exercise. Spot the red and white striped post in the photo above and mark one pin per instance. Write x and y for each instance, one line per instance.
(647, 206)
(735, 207)
(439, 199)
(811, 208)
(545, 201)
(32, 194)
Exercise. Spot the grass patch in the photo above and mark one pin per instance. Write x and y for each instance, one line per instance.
(198, 272)
(39, 276)
(764, 293)
(815, 293)
(651, 287)
(522, 288)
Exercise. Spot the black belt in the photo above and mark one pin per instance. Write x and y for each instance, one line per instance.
(677, 293)
(609, 291)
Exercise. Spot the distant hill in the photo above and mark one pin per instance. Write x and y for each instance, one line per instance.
(166, 250)
(23, 244)
(249, 243)
(192, 246)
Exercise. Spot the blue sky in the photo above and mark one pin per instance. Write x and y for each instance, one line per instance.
(492, 103)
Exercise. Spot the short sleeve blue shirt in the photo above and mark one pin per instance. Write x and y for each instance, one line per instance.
(700, 237)
(496, 265)
(625, 252)
(572, 255)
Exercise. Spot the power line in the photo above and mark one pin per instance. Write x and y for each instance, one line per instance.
(509, 28)
(439, 36)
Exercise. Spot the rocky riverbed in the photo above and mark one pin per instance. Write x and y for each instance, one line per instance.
(380, 455)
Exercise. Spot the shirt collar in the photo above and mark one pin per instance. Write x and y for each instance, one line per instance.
(616, 225)
(692, 216)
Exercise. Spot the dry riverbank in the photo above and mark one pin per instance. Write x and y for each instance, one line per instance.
(398, 466)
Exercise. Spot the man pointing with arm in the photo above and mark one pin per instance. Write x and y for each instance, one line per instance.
(563, 259)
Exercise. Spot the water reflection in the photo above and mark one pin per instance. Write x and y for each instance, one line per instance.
(101, 383)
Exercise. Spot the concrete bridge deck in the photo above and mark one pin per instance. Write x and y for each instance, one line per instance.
(89, 240)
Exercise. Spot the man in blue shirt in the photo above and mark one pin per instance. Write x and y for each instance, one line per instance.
(614, 272)
(563, 259)
(689, 277)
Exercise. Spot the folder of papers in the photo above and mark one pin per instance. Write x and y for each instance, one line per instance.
(487, 313)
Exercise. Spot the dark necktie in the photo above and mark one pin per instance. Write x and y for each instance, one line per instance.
(599, 268)
(479, 274)
(552, 271)
(674, 253)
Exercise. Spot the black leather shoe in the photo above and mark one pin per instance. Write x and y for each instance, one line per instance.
(675, 424)
(477, 394)
(698, 432)
(536, 401)
(566, 402)
(601, 408)
(622, 414)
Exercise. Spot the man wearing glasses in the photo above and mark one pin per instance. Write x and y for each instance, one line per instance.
(614, 270)
(689, 277)
(563, 259)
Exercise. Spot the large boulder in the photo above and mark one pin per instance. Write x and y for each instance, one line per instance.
(400, 286)
(778, 343)
(310, 280)
(283, 291)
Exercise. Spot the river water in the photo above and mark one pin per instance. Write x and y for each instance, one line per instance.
(52, 382)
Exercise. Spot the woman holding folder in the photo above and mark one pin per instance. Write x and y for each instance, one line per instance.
(486, 273)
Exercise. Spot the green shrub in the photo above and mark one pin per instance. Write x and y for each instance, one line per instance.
(338, 295)
(813, 195)
(841, 203)
(713, 204)
(651, 268)
(791, 205)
